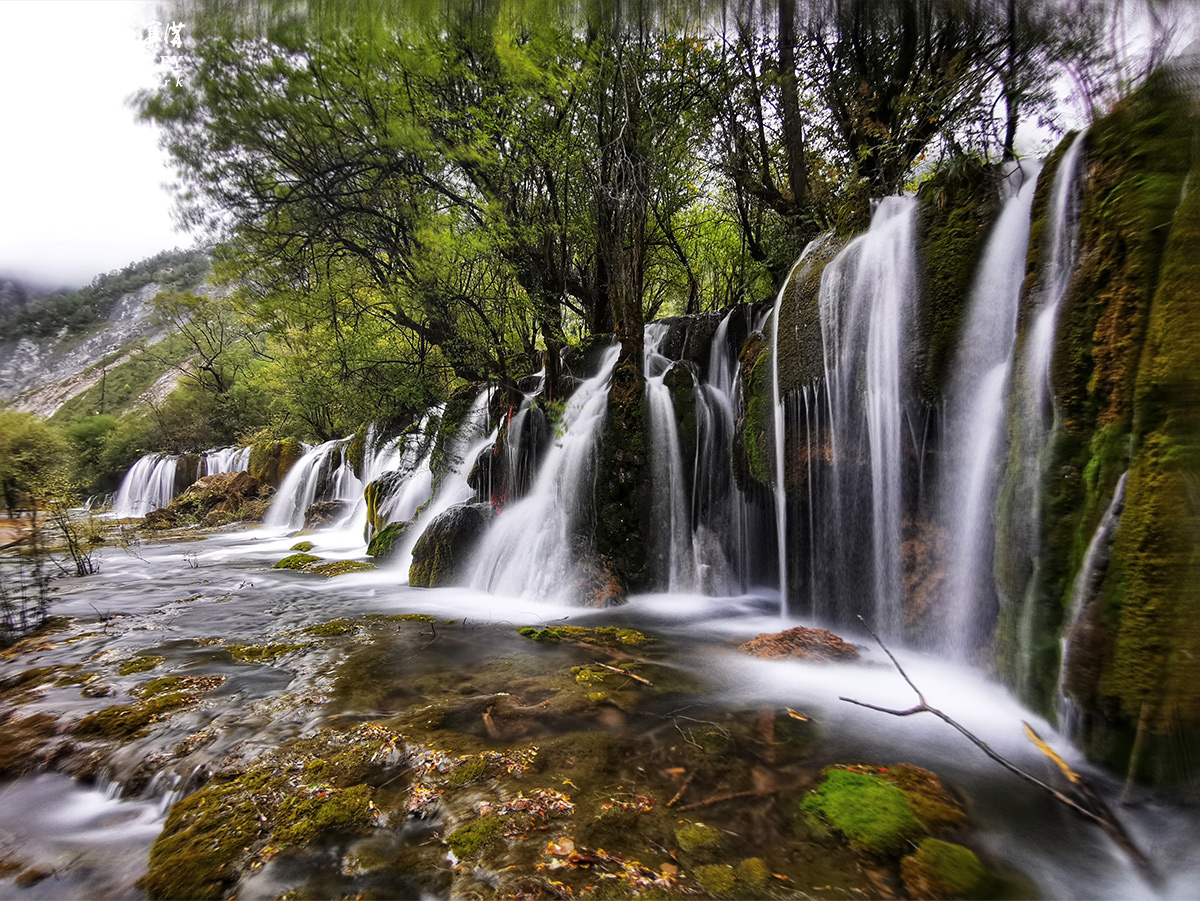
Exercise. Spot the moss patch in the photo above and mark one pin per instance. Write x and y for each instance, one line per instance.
(339, 568)
(603, 636)
(874, 815)
(303, 546)
(942, 870)
(140, 664)
(297, 561)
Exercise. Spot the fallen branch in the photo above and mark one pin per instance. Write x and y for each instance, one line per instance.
(1089, 805)
(624, 672)
(731, 796)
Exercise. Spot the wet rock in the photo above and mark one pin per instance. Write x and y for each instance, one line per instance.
(800, 642)
(324, 513)
(386, 542)
(942, 870)
(441, 554)
(217, 499)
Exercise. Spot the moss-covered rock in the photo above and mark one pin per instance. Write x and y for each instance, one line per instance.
(221, 498)
(339, 568)
(303, 546)
(942, 870)
(623, 527)
(271, 460)
(297, 561)
(386, 542)
(444, 549)
(872, 814)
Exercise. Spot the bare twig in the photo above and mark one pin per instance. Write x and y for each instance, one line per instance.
(1089, 805)
(624, 672)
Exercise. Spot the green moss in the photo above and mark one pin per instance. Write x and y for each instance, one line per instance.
(754, 872)
(140, 664)
(717, 879)
(303, 546)
(874, 815)
(262, 653)
(692, 836)
(339, 568)
(330, 629)
(603, 636)
(386, 542)
(958, 205)
(160, 685)
(297, 561)
(325, 809)
(204, 839)
(469, 841)
(943, 870)
(465, 771)
(118, 723)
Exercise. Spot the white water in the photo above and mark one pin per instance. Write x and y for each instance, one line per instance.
(322, 474)
(1036, 410)
(225, 459)
(1087, 584)
(866, 295)
(472, 437)
(528, 550)
(975, 419)
(149, 485)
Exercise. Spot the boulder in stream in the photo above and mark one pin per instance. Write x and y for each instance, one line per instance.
(441, 554)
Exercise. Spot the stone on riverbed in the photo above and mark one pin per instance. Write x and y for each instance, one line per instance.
(802, 643)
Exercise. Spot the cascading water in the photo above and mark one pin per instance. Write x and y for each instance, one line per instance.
(855, 425)
(322, 474)
(149, 484)
(225, 459)
(1035, 410)
(974, 419)
(471, 437)
(780, 428)
(528, 551)
(1084, 592)
(676, 567)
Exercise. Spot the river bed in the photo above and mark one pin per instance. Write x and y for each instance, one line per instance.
(207, 607)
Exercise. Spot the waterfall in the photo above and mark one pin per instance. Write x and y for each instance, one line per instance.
(1035, 408)
(780, 421)
(865, 296)
(529, 551)
(322, 474)
(975, 419)
(461, 451)
(676, 566)
(149, 484)
(1085, 590)
(225, 459)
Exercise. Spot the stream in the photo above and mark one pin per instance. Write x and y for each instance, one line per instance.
(189, 601)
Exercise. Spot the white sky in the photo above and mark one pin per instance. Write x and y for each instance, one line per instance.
(81, 182)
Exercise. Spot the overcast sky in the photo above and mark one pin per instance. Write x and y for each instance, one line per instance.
(80, 180)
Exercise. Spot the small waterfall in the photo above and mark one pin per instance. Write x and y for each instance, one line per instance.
(676, 567)
(1085, 590)
(865, 296)
(1035, 409)
(780, 422)
(974, 421)
(149, 485)
(471, 437)
(527, 431)
(322, 474)
(529, 551)
(225, 459)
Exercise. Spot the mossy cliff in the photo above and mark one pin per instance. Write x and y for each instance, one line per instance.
(958, 206)
(623, 524)
(1125, 394)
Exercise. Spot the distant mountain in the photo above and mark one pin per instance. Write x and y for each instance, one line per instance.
(55, 346)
